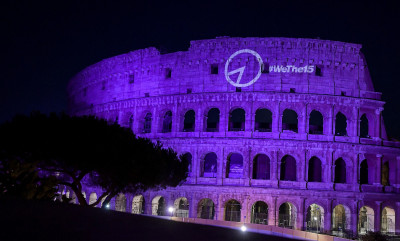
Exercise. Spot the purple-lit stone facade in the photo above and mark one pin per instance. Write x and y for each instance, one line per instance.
(331, 177)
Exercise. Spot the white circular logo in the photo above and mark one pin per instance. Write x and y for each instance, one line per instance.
(241, 69)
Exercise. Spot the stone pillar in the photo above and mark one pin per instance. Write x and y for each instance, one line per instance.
(220, 167)
(248, 122)
(377, 216)
(199, 121)
(273, 215)
(244, 212)
(331, 122)
(219, 209)
(302, 215)
(223, 121)
(377, 132)
(397, 218)
(129, 199)
(275, 121)
(354, 220)
(192, 207)
(328, 217)
(378, 172)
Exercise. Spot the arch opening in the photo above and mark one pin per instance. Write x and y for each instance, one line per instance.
(232, 211)
(259, 213)
(340, 220)
(234, 166)
(167, 122)
(287, 215)
(206, 209)
(340, 171)
(213, 120)
(189, 157)
(209, 167)
(158, 206)
(147, 123)
(364, 126)
(316, 123)
(314, 170)
(365, 220)
(340, 125)
(288, 168)
(315, 218)
(263, 120)
(388, 221)
(289, 121)
(181, 206)
(237, 120)
(92, 198)
(189, 121)
(261, 167)
(364, 172)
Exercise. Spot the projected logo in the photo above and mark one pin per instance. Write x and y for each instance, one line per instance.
(236, 76)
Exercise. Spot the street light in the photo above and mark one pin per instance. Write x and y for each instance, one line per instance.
(171, 210)
(243, 228)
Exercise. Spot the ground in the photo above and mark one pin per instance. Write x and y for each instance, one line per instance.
(34, 220)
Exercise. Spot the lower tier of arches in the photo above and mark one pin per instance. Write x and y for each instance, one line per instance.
(338, 213)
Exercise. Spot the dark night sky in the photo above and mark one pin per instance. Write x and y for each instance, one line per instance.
(45, 43)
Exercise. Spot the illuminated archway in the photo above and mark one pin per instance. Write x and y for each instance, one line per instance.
(259, 213)
(365, 220)
(287, 215)
(206, 209)
(138, 204)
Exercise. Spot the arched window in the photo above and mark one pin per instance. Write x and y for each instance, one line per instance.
(364, 172)
(289, 121)
(234, 166)
(314, 170)
(385, 174)
(315, 218)
(213, 120)
(287, 215)
(188, 157)
(365, 220)
(209, 167)
(261, 167)
(92, 198)
(259, 213)
(232, 211)
(205, 209)
(263, 120)
(340, 218)
(288, 168)
(340, 125)
(237, 120)
(340, 171)
(167, 122)
(147, 123)
(364, 127)
(181, 206)
(188, 122)
(316, 123)
(388, 220)
(158, 206)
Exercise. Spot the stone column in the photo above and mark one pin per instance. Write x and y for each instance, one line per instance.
(354, 220)
(219, 209)
(378, 173)
(377, 133)
(328, 217)
(275, 121)
(272, 215)
(397, 218)
(129, 199)
(244, 212)
(192, 207)
(377, 215)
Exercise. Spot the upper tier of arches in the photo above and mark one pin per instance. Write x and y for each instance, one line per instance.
(340, 70)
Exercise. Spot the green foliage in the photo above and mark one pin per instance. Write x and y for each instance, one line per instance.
(87, 149)
(374, 236)
(21, 179)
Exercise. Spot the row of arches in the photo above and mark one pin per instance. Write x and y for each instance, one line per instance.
(288, 168)
(287, 213)
(262, 122)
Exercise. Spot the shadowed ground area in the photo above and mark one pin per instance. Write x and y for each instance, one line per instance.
(34, 220)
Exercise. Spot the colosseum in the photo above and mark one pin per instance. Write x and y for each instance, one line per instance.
(280, 131)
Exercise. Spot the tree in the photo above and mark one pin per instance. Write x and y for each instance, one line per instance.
(87, 150)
